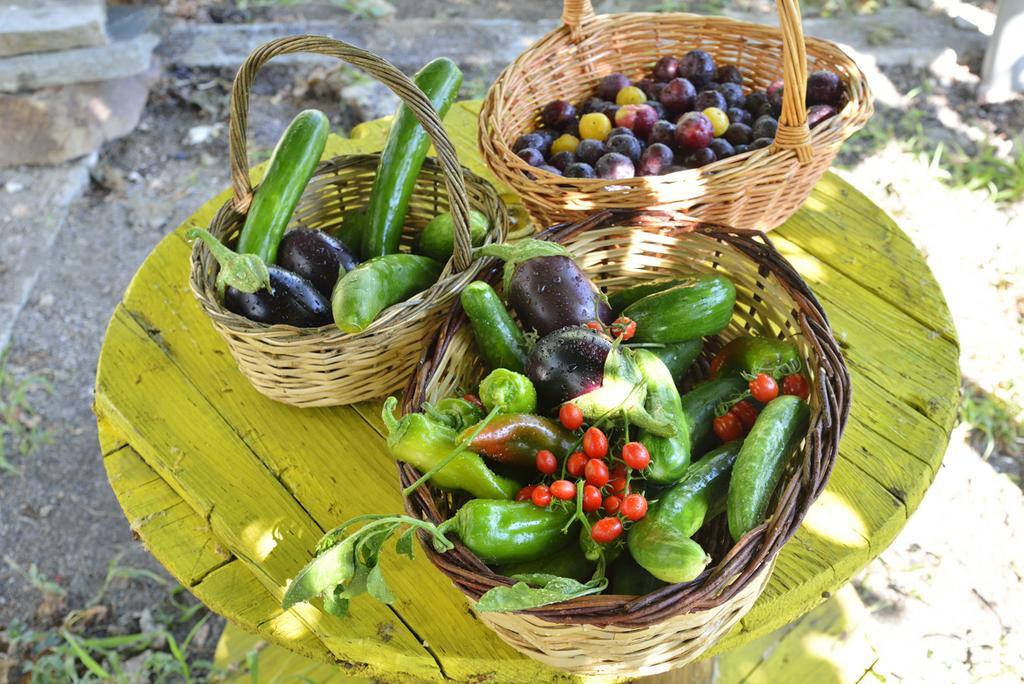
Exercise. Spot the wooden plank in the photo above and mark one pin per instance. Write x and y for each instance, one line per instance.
(247, 507)
(847, 231)
(299, 452)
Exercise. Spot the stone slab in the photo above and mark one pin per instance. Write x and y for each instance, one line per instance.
(59, 123)
(48, 25)
(83, 65)
(33, 208)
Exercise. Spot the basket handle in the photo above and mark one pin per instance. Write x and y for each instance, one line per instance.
(794, 133)
(376, 67)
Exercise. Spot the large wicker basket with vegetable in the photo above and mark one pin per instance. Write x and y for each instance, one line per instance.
(754, 181)
(382, 205)
(699, 410)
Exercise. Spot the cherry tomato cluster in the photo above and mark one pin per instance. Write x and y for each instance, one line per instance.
(622, 327)
(604, 488)
(737, 421)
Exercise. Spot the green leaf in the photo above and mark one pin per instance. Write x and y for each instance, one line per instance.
(368, 548)
(336, 602)
(334, 566)
(357, 585)
(404, 545)
(522, 596)
(378, 587)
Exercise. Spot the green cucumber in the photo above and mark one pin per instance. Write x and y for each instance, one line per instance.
(776, 433)
(291, 166)
(437, 240)
(678, 356)
(694, 308)
(402, 159)
(699, 406)
(498, 338)
(620, 299)
(372, 286)
(660, 542)
(754, 355)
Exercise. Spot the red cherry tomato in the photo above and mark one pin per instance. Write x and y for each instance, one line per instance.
(624, 327)
(571, 416)
(796, 385)
(634, 507)
(541, 496)
(595, 325)
(596, 472)
(591, 498)
(563, 489)
(546, 462)
(716, 363)
(746, 412)
(576, 463)
(473, 399)
(727, 427)
(636, 455)
(595, 444)
(524, 493)
(612, 504)
(618, 480)
(764, 388)
(606, 530)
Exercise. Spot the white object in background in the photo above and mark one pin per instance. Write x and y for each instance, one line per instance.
(1002, 73)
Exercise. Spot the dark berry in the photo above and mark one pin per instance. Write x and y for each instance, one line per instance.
(615, 166)
(548, 137)
(561, 160)
(775, 86)
(709, 98)
(557, 114)
(531, 156)
(593, 104)
(528, 140)
(775, 101)
(550, 169)
(654, 159)
(580, 170)
(610, 110)
(756, 101)
(646, 85)
(764, 127)
(572, 127)
(729, 74)
(659, 109)
(589, 151)
(737, 115)
(672, 169)
(627, 145)
(740, 149)
(678, 95)
(698, 67)
(699, 158)
(761, 142)
(620, 130)
(693, 131)
(732, 93)
(738, 134)
(666, 69)
(722, 148)
(818, 113)
(824, 87)
(664, 132)
(610, 86)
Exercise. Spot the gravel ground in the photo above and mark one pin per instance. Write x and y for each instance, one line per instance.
(945, 598)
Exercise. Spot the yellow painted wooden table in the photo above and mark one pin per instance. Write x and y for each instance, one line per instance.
(231, 491)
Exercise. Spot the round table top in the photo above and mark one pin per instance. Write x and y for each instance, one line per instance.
(231, 491)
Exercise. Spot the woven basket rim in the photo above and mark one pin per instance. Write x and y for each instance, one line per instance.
(204, 288)
(758, 549)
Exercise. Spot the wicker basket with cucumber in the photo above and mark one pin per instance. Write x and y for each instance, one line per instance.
(326, 277)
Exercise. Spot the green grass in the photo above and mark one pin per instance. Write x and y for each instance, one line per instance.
(1001, 177)
(20, 430)
(995, 424)
(77, 651)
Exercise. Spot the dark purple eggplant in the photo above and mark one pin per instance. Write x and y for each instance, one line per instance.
(290, 300)
(316, 256)
(567, 363)
(583, 367)
(546, 288)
